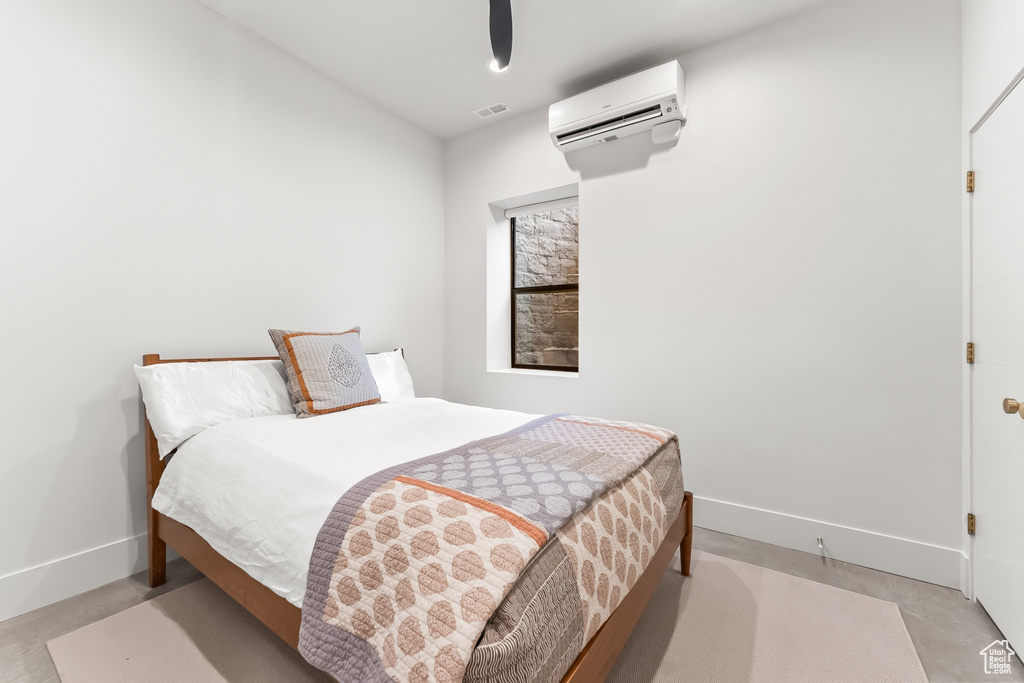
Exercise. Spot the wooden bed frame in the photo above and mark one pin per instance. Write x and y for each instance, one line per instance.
(280, 616)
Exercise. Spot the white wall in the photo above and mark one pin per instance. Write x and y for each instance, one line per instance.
(782, 288)
(993, 55)
(172, 184)
(993, 52)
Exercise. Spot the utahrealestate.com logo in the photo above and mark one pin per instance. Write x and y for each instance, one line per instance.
(997, 657)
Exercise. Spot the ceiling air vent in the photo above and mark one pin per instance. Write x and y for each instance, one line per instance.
(491, 110)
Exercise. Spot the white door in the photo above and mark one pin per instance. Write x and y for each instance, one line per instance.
(998, 372)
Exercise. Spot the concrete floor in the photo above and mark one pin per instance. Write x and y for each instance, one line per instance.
(948, 630)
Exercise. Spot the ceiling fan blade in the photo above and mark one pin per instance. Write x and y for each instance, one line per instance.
(501, 31)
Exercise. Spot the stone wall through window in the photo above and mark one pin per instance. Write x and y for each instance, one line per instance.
(545, 292)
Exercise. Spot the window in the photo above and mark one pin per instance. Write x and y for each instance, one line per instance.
(545, 287)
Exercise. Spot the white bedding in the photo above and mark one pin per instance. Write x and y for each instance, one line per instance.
(259, 489)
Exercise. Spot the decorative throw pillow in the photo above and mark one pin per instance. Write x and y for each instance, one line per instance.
(327, 372)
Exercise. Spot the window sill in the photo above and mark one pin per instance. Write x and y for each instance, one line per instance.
(541, 373)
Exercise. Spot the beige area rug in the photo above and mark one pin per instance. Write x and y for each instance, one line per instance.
(732, 621)
(728, 622)
(195, 634)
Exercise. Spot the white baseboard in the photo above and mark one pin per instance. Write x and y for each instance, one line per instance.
(966, 583)
(45, 584)
(902, 556)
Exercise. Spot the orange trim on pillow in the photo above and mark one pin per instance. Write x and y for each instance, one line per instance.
(324, 411)
(287, 339)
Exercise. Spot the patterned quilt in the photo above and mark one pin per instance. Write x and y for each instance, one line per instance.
(494, 561)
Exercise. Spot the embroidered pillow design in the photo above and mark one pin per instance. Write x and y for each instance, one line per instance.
(327, 371)
(344, 368)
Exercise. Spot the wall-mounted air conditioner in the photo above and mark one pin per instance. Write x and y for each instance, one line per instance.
(626, 106)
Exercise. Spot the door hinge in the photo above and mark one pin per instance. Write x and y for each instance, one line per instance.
(970, 352)
(970, 181)
(970, 523)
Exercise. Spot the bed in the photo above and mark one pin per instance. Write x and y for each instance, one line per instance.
(275, 601)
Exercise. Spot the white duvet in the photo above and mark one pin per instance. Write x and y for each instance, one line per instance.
(259, 489)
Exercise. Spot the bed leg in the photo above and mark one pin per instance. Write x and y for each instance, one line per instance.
(157, 554)
(686, 547)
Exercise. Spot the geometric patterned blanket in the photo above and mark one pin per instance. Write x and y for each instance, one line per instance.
(414, 560)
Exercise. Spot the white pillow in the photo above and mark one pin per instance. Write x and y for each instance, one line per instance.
(183, 399)
(391, 375)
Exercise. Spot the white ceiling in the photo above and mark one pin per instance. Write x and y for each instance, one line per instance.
(426, 59)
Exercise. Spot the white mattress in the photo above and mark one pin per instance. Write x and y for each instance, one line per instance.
(259, 489)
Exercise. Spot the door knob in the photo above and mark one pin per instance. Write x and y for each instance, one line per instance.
(1010, 407)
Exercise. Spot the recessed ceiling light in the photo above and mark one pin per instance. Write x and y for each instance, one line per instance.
(493, 66)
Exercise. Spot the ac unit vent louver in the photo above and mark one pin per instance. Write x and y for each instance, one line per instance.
(599, 128)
